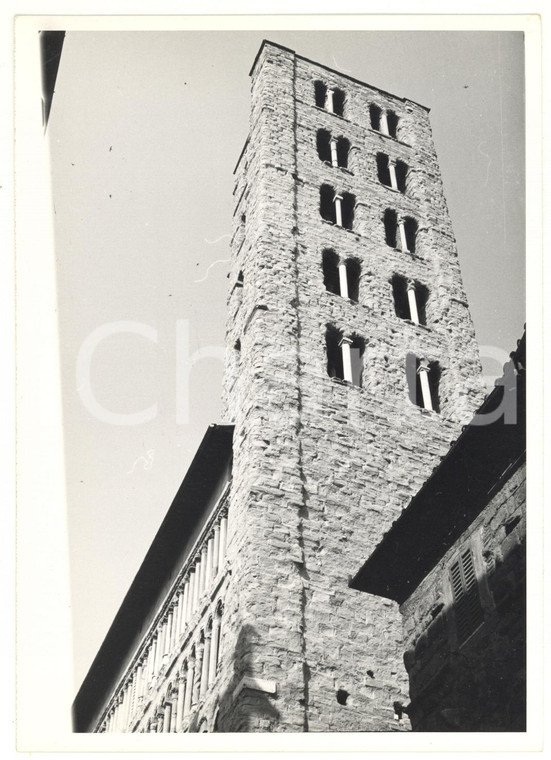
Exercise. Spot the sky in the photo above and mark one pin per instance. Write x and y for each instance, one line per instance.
(144, 133)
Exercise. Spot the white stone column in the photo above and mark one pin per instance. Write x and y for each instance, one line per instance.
(191, 597)
(414, 314)
(179, 611)
(345, 344)
(403, 238)
(343, 280)
(189, 687)
(329, 101)
(158, 653)
(392, 172)
(384, 123)
(338, 210)
(166, 717)
(197, 591)
(205, 666)
(180, 703)
(334, 154)
(423, 372)
(197, 678)
(204, 563)
(210, 551)
(214, 640)
(185, 607)
(223, 535)
(216, 551)
(151, 659)
(168, 633)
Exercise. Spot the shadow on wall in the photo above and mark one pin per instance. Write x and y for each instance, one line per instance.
(241, 709)
(467, 668)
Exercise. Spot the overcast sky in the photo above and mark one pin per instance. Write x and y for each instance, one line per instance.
(145, 130)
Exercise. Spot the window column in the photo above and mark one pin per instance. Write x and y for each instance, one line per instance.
(189, 686)
(223, 533)
(166, 717)
(198, 671)
(203, 577)
(334, 154)
(402, 229)
(216, 551)
(205, 665)
(412, 299)
(343, 280)
(383, 123)
(214, 648)
(338, 210)
(210, 551)
(423, 372)
(345, 344)
(392, 172)
(180, 702)
(329, 101)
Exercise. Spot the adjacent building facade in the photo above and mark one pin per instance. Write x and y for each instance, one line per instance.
(351, 367)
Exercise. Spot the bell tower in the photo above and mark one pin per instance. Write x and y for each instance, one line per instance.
(351, 366)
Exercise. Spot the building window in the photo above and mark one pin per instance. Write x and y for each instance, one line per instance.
(341, 277)
(320, 94)
(423, 379)
(383, 169)
(323, 142)
(344, 356)
(468, 611)
(410, 233)
(391, 226)
(337, 208)
(391, 173)
(392, 123)
(338, 102)
(410, 299)
(401, 175)
(330, 99)
(402, 232)
(332, 150)
(375, 117)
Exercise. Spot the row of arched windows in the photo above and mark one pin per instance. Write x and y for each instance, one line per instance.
(333, 100)
(194, 677)
(345, 358)
(335, 151)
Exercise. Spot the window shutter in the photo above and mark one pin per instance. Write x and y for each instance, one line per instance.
(468, 609)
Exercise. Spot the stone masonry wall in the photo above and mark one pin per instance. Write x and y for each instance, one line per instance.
(480, 684)
(321, 468)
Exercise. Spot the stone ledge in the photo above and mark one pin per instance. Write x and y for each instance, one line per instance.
(255, 684)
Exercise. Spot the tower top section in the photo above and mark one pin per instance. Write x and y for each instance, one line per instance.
(270, 44)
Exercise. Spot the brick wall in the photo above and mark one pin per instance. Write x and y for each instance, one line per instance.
(479, 683)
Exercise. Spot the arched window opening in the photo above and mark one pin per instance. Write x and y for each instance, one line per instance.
(423, 379)
(338, 102)
(392, 122)
(330, 262)
(410, 230)
(391, 227)
(375, 117)
(333, 339)
(327, 203)
(383, 170)
(401, 175)
(422, 297)
(320, 94)
(348, 205)
(323, 142)
(410, 299)
(344, 356)
(353, 270)
(343, 149)
(399, 292)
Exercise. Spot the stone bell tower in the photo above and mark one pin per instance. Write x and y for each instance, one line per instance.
(351, 366)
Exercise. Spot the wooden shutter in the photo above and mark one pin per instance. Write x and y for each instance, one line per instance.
(468, 609)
